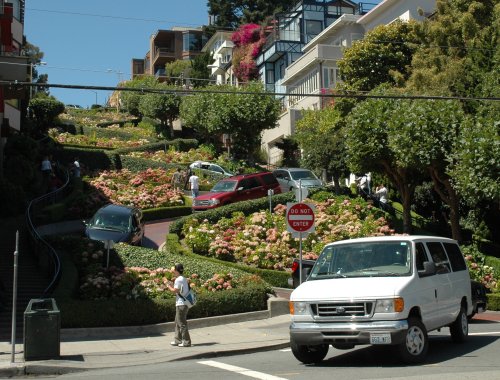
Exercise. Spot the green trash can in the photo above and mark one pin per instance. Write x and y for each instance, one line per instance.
(42, 330)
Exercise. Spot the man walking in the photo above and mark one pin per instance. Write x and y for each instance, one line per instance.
(194, 185)
(180, 288)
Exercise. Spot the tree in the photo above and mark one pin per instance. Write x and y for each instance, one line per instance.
(177, 71)
(45, 109)
(230, 14)
(131, 99)
(423, 136)
(200, 73)
(458, 45)
(163, 106)
(241, 112)
(370, 148)
(35, 56)
(319, 136)
(383, 56)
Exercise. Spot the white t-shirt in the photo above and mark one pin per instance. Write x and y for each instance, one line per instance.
(181, 284)
(382, 194)
(193, 180)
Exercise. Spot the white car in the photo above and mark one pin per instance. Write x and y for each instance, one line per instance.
(386, 290)
(216, 168)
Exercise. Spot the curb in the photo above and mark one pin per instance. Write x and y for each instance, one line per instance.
(52, 370)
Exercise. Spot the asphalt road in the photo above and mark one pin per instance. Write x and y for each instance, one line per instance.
(155, 233)
(476, 359)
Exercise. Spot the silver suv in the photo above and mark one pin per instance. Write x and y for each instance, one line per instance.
(288, 178)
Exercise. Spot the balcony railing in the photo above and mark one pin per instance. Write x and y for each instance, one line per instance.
(163, 52)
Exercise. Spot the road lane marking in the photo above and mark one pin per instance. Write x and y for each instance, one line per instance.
(241, 371)
(486, 333)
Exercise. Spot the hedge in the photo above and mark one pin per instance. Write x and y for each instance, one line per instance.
(122, 312)
(182, 145)
(493, 301)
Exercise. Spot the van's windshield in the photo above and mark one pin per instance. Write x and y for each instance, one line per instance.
(367, 259)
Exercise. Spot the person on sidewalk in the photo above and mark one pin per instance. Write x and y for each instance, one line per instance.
(194, 185)
(180, 288)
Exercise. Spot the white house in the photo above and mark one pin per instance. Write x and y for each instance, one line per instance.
(221, 47)
(316, 70)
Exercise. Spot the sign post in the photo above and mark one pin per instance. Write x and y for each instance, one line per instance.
(300, 220)
(108, 244)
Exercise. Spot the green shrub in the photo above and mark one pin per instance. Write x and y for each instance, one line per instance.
(180, 144)
(122, 312)
(493, 301)
(165, 212)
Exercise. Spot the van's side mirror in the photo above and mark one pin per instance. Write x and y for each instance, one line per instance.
(429, 269)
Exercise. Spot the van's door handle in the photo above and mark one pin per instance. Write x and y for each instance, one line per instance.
(435, 293)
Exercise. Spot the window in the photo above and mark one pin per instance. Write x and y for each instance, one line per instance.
(456, 258)
(420, 256)
(191, 42)
(439, 257)
(269, 179)
(313, 27)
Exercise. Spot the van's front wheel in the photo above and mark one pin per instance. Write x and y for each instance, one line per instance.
(309, 354)
(414, 348)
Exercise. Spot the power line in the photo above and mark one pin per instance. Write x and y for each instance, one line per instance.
(283, 94)
(109, 16)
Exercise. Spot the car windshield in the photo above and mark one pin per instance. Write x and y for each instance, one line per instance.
(367, 259)
(224, 186)
(302, 174)
(107, 221)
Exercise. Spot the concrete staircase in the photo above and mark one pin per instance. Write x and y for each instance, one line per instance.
(31, 282)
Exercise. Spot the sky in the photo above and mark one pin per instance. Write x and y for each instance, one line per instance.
(92, 42)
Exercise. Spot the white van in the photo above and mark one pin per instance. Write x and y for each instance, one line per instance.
(387, 290)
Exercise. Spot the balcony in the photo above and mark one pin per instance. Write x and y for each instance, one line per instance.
(312, 57)
(167, 53)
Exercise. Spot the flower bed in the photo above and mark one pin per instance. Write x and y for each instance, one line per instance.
(261, 239)
(145, 281)
(147, 189)
(94, 141)
(202, 153)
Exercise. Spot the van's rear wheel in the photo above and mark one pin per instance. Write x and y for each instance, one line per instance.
(414, 348)
(309, 354)
(459, 329)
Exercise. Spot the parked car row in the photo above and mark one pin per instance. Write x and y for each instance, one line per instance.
(244, 187)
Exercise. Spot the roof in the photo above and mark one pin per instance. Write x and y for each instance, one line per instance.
(117, 209)
(394, 238)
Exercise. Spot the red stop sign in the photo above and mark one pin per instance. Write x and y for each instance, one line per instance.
(300, 217)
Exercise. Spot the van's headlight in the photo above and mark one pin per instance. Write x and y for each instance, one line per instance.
(390, 305)
(298, 308)
(214, 201)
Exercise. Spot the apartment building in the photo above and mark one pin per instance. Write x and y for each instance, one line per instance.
(166, 46)
(14, 65)
(315, 71)
(221, 47)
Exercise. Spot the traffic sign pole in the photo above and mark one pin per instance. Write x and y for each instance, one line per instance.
(300, 219)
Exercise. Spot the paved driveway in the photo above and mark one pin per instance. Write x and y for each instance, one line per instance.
(155, 233)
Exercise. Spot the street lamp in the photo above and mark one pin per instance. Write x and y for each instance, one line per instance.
(31, 74)
(95, 92)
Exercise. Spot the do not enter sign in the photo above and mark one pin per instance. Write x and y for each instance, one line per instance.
(300, 217)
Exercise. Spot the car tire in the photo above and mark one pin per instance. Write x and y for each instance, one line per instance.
(414, 347)
(459, 329)
(309, 354)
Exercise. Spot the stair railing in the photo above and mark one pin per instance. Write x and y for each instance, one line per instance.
(47, 256)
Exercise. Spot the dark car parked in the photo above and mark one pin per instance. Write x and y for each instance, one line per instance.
(237, 188)
(121, 224)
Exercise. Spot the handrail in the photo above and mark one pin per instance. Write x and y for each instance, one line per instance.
(41, 246)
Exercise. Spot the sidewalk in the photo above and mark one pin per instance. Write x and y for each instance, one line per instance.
(86, 349)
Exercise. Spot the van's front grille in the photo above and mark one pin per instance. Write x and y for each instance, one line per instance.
(342, 309)
(202, 202)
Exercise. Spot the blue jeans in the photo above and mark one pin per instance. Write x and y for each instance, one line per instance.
(195, 192)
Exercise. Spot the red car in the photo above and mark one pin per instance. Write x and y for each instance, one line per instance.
(237, 188)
